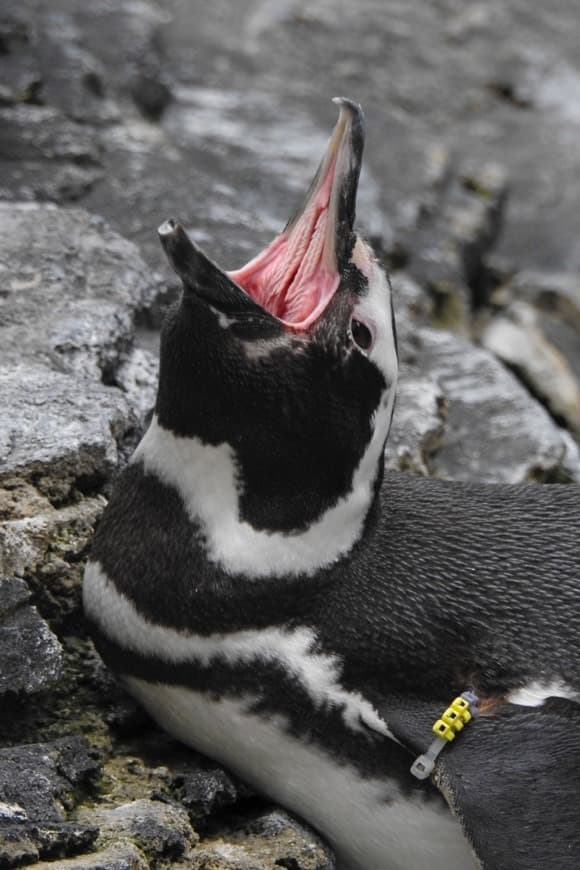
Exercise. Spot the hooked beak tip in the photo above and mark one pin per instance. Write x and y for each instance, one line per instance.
(167, 228)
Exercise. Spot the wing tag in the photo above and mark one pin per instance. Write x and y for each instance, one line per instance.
(461, 711)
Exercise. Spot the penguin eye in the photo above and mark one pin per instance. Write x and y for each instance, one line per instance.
(361, 334)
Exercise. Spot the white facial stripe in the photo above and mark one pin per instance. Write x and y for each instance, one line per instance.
(375, 308)
(370, 823)
(205, 477)
(537, 693)
(318, 673)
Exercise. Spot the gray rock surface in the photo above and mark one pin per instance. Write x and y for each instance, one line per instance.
(71, 290)
(118, 856)
(45, 779)
(39, 785)
(495, 431)
(270, 840)
(516, 337)
(556, 293)
(23, 843)
(205, 789)
(536, 331)
(30, 653)
(418, 425)
(161, 830)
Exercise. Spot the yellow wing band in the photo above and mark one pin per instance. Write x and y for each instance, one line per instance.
(451, 722)
(455, 717)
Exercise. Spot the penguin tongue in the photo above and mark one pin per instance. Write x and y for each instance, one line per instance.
(297, 275)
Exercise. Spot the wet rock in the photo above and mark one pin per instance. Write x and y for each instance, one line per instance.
(495, 431)
(270, 840)
(162, 831)
(516, 337)
(31, 655)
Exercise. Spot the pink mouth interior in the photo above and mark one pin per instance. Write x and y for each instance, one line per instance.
(295, 277)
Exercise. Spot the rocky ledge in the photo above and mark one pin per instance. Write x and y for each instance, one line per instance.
(98, 119)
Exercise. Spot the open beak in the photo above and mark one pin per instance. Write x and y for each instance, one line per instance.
(297, 275)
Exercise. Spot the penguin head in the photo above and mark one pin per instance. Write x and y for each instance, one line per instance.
(291, 360)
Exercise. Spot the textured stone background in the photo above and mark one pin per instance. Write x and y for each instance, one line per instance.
(114, 117)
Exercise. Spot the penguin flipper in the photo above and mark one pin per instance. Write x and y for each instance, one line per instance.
(513, 781)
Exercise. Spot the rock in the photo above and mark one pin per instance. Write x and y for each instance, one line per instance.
(119, 856)
(60, 433)
(516, 337)
(26, 843)
(418, 423)
(151, 92)
(474, 19)
(137, 378)
(46, 779)
(556, 293)
(39, 785)
(495, 431)
(31, 655)
(13, 594)
(71, 289)
(412, 305)
(161, 831)
(44, 142)
(270, 840)
(48, 548)
(205, 789)
(15, 28)
(453, 227)
(556, 299)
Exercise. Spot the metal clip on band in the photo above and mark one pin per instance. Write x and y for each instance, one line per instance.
(451, 722)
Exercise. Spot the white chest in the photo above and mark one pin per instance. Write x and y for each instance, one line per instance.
(370, 823)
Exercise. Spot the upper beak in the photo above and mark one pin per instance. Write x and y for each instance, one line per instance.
(336, 180)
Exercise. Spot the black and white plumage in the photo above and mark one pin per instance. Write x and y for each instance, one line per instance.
(277, 602)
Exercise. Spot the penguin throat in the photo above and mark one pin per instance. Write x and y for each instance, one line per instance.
(296, 276)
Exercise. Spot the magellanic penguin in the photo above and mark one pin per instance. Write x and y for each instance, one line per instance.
(277, 602)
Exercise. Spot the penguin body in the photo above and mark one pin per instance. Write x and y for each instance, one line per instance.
(278, 603)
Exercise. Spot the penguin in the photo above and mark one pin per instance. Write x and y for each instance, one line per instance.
(277, 601)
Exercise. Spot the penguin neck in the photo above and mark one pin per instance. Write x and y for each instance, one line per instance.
(206, 477)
